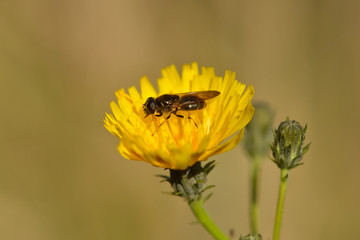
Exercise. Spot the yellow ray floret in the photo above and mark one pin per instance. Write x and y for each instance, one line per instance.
(180, 142)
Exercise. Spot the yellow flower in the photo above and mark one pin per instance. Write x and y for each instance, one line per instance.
(181, 142)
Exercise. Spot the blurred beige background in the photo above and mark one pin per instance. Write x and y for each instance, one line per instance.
(61, 176)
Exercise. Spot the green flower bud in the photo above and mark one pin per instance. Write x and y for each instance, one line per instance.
(251, 237)
(287, 148)
(257, 137)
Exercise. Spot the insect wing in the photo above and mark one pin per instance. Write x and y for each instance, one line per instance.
(194, 100)
(203, 95)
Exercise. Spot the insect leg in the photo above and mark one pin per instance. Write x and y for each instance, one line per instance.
(181, 116)
(161, 123)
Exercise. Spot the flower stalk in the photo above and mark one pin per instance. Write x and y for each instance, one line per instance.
(190, 184)
(288, 151)
(256, 144)
(280, 203)
(197, 208)
(254, 208)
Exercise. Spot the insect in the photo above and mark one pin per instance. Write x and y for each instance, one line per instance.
(168, 104)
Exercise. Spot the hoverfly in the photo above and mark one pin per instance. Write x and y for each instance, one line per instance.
(168, 104)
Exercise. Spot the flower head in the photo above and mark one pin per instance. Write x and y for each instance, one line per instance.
(177, 142)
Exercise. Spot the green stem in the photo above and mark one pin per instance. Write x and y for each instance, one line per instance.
(202, 216)
(254, 208)
(280, 205)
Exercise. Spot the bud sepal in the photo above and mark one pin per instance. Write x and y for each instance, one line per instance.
(190, 183)
(251, 237)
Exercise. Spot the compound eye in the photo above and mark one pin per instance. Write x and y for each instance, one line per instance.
(152, 106)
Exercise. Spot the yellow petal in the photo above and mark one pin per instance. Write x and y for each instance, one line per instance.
(226, 146)
(147, 89)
